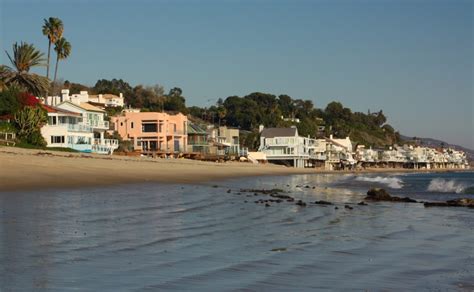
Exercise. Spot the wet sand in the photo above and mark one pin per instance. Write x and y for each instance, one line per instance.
(28, 169)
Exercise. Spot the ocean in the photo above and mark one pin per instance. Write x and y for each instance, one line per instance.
(214, 237)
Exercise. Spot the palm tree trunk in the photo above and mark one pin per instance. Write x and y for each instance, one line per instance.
(56, 69)
(49, 54)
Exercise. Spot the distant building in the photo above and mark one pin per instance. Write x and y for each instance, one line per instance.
(100, 100)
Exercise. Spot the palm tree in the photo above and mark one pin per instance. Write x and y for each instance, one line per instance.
(52, 28)
(25, 56)
(63, 50)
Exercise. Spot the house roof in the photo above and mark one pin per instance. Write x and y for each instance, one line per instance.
(195, 129)
(90, 107)
(279, 132)
(52, 109)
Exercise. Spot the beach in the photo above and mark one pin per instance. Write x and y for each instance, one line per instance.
(27, 169)
(30, 169)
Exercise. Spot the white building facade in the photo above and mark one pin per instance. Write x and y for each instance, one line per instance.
(79, 126)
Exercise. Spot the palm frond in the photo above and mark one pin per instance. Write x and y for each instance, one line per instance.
(62, 48)
(25, 56)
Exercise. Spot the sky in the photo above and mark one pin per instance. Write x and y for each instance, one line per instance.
(412, 59)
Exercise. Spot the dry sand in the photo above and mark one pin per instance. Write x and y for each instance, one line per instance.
(27, 169)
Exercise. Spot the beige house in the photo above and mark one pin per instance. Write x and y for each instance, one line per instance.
(153, 131)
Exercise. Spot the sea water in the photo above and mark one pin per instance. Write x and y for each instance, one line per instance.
(214, 237)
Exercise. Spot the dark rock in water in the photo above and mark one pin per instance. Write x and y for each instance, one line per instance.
(464, 202)
(256, 192)
(290, 200)
(245, 201)
(323, 203)
(362, 204)
(280, 196)
(336, 208)
(267, 205)
(377, 194)
(314, 188)
(348, 207)
(306, 187)
(215, 186)
(228, 191)
(301, 203)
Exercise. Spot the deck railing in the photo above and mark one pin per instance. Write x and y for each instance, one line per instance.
(106, 142)
(98, 124)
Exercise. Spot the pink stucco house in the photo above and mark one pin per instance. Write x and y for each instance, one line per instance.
(152, 131)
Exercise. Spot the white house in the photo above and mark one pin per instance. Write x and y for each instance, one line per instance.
(108, 100)
(103, 100)
(284, 144)
(79, 126)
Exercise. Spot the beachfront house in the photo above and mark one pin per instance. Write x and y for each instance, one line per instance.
(153, 131)
(284, 145)
(78, 126)
(229, 138)
(198, 141)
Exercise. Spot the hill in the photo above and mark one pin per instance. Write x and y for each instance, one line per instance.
(430, 142)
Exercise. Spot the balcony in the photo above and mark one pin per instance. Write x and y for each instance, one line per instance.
(98, 124)
(176, 133)
(78, 128)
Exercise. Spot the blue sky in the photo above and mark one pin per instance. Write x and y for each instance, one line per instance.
(413, 59)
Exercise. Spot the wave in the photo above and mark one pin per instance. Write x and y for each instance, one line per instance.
(446, 186)
(391, 182)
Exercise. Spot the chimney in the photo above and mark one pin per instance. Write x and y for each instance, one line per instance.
(260, 128)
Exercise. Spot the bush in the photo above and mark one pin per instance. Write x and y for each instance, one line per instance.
(7, 127)
(35, 138)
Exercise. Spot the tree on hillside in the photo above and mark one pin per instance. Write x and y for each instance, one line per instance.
(25, 56)
(63, 50)
(114, 86)
(175, 101)
(76, 88)
(53, 29)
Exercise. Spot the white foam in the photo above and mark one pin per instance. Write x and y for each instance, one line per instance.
(446, 186)
(391, 182)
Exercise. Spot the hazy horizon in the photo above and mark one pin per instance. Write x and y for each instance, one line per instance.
(412, 59)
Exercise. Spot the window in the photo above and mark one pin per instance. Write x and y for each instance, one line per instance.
(150, 128)
(121, 124)
(57, 139)
(131, 125)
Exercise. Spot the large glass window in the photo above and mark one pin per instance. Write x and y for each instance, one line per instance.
(152, 127)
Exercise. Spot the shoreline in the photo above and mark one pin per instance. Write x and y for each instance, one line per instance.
(33, 169)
